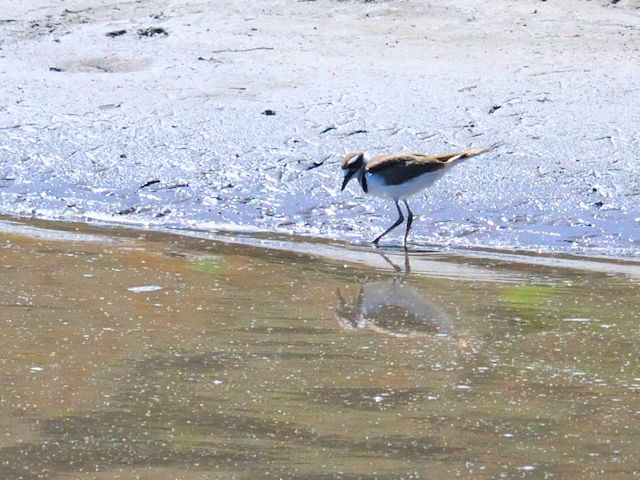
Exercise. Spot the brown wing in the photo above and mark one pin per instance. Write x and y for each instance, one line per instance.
(399, 167)
(394, 160)
(427, 162)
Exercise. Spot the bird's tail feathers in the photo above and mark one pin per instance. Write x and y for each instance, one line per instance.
(473, 152)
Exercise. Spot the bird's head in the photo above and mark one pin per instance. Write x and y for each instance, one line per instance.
(352, 163)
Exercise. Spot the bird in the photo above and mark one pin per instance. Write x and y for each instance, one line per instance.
(397, 176)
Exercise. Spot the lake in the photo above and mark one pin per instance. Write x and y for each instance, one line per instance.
(146, 354)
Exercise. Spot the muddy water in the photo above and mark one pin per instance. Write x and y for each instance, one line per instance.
(131, 354)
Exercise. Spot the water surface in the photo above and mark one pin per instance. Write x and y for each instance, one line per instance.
(139, 354)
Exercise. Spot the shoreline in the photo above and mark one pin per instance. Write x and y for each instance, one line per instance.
(426, 256)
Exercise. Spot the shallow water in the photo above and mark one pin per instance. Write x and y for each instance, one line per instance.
(140, 354)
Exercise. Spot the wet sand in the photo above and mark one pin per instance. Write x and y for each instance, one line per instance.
(157, 113)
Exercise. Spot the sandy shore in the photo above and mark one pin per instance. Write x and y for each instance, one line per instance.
(156, 113)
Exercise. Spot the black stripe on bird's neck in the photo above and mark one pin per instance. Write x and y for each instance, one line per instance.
(363, 181)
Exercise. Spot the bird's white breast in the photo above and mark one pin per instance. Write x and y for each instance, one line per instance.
(377, 186)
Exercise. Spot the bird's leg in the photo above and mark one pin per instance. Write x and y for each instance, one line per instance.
(398, 222)
(409, 221)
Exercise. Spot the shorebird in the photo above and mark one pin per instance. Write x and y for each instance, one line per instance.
(397, 176)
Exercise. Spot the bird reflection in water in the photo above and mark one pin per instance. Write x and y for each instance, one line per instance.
(394, 308)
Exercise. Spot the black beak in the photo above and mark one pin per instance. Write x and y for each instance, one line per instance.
(347, 177)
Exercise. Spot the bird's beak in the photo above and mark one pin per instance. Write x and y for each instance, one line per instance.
(347, 176)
